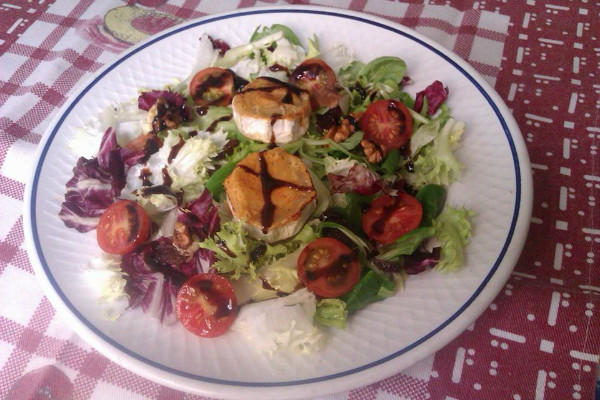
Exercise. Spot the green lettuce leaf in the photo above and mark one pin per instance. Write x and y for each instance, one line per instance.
(371, 287)
(452, 231)
(265, 32)
(379, 79)
(232, 248)
(435, 161)
(406, 244)
(332, 312)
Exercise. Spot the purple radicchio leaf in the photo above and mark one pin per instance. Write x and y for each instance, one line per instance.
(435, 94)
(147, 99)
(359, 180)
(107, 145)
(117, 171)
(89, 193)
(153, 277)
(132, 157)
(420, 261)
(109, 159)
(201, 216)
(201, 262)
(219, 44)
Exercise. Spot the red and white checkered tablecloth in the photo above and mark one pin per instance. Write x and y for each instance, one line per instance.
(539, 339)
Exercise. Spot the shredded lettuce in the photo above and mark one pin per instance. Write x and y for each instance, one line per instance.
(283, 324)
(452, 231)
(269, 46)
(192, 163)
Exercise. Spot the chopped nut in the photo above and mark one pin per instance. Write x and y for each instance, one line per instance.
(374, 153)
(181, 236)
(341, 132)
(163, 115)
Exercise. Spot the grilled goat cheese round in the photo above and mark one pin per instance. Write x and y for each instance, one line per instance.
(272, 192)
(271, 111)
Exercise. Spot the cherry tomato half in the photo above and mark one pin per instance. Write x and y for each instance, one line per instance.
(123, 226)
(212, 86)
(318, 79)
(387, 123)
(388, 218)
(328, 268)
(206, 305)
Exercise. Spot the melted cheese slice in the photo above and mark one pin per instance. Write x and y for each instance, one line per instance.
(273, 194)
(271, 111)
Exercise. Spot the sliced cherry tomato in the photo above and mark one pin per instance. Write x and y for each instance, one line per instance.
(328, 268)
(206, 305)
(387, 123)
(124, 226)
(318, 79)
(389, 217)
(212, 86)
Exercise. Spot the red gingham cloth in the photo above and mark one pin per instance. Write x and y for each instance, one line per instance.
(539, 339)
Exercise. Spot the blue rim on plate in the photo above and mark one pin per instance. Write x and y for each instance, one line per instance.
(284, 383)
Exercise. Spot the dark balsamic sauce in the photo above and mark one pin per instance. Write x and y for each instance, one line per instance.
(162, 189)
(278, 67)
(224, 306)
(223, 246)
(151, 146)
(214, 124)
(238, 81)
(134, 221)
(335, 273)
(379, 225)
(274, 119)
(175, 149)
(145, 175)
(167, 180)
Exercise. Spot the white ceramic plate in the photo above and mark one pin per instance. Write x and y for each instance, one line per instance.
(380, 340)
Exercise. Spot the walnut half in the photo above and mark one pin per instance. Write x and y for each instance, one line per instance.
(373, 152)
(340, 132)
(181, 236)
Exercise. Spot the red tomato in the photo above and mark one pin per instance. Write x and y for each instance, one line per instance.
(206, 305)
(328, 268)
(387, 123)
(124, 226)
(212, 86)
(388, 218)
(318, 79)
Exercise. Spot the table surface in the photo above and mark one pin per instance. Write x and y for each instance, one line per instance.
(540, 337)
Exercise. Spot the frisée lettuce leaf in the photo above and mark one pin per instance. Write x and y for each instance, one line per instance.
(452, 231)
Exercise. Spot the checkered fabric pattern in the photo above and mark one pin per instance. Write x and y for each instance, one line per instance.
(539, 338)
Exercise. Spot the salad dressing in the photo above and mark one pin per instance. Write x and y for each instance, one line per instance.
(166, 177)
(379, 225)
(145, 175)
(175, 150)
(214, 124)
(335, 272)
